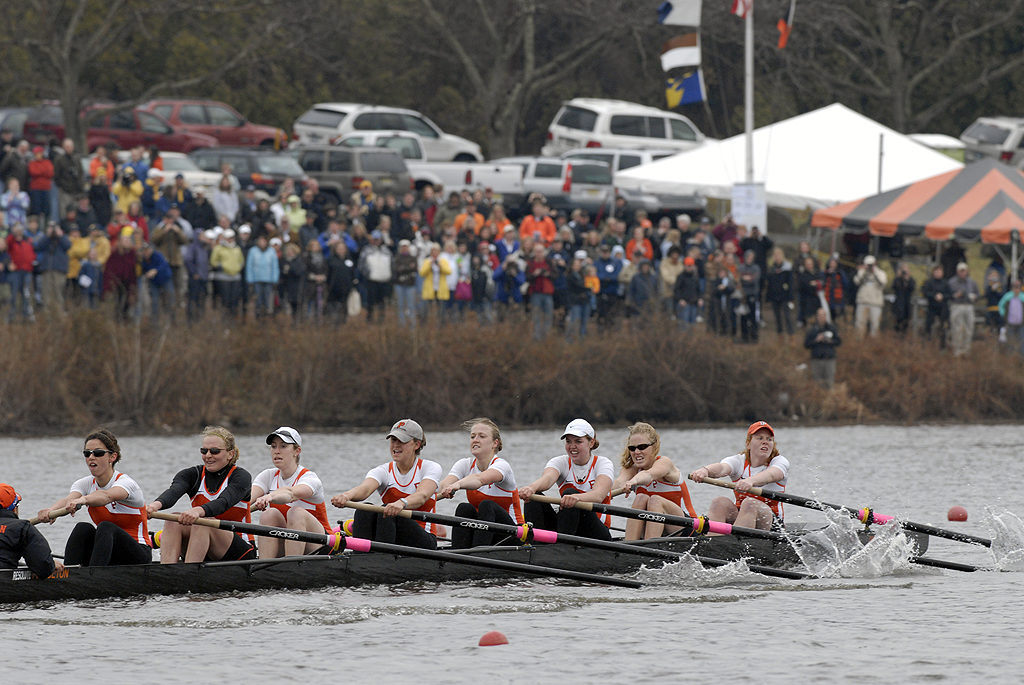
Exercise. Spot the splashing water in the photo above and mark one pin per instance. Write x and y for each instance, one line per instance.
(837, 550)
(1008, 541)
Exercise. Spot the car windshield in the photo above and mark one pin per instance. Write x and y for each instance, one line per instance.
(578, 118)
(984, 132)
(388, 162)
(278, 164)
(591, 173)
(179, 164)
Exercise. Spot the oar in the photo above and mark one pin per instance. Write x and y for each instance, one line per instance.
(337, 542)
(528, 533)
(865, 515)
(704, 525)
(56, 513)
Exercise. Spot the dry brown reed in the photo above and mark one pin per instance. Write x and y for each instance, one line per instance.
(70, 375)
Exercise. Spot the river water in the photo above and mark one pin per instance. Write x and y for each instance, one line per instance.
(874, 618)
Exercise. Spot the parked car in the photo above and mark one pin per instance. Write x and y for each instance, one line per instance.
(133, 127)
(265, 169)
(504, 180)
(620, 159)
(1001, 138)
(218, 120)
(325, 122)
(178, 163)
(38, 124)
(593, 122)
(340, 170)
(566, 184)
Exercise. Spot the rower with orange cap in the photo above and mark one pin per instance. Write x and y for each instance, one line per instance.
(759, 465)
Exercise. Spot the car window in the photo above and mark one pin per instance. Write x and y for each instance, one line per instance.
(578, 118)
(418, 126)
(656, 127)
(628, 125)
(408, 148)
(629, 161)
(208, 162)
(192, 114)
(15, 123)
(179, 164)
(354, 141)
(221, 116)
(322, 117)
(606, 157)
(339, 160)
(278, 164)
(122, 120)
(661, 155)
(368, 121)
(312, 160)
(987, 133)
(163, 111)
(548, 170)
(682, 130)
(385, 161)
(591, 173)
(152, 124)
(240, 164)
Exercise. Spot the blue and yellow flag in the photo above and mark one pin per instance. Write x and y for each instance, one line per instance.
(686, 89)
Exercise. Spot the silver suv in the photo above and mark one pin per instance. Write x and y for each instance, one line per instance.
(619, 159)
(999, 137)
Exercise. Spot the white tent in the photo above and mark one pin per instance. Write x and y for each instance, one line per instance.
(815, 160)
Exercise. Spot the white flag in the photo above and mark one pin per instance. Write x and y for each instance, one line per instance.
(679, 12)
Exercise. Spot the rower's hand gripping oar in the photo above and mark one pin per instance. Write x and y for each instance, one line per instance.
(338, 542)
(56, 513)
(865, 515)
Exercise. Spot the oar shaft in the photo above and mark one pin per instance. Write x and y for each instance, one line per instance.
(56, 513)
(340, 542)
(863, 514)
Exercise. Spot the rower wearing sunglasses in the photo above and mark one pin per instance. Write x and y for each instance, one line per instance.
(218, 488)
(116, 506)
(658, 483)
(759, 465)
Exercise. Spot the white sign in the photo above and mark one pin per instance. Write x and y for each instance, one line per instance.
(749, 207)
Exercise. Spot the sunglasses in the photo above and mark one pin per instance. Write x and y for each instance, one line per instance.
(642, 447)
(212, 450)
(95, 453)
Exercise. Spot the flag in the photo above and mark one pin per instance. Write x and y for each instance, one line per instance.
(681, 51)
(786, 25)
(679, 13)
(741, 7)
(686, 89)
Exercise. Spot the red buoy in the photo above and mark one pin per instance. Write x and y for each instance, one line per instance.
(957, 513)
(493, 638)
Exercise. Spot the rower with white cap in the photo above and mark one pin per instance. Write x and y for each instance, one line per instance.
(289, 495)
(581, 476)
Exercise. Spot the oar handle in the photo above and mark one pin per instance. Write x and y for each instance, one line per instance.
(366, 506)
(731, 486)
(56, 513)
(548, 499)
(201, 521)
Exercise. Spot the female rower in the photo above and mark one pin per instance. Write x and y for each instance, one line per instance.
(581, 476)
(218, 488)
(489, 483)
(289, 497)
(759, 465)
(408, 481)
(658, 483)
(116, 505)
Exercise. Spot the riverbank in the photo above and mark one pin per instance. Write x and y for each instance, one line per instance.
(67, 377)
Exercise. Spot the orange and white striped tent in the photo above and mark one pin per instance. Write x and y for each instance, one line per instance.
(983, 201)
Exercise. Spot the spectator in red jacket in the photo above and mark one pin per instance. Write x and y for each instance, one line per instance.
(19, 274)
(40, 182)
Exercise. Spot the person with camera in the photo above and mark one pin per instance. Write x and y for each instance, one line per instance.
(870, 281)
(52, 253)
(822, 339)
(903, 298)
(963, 293)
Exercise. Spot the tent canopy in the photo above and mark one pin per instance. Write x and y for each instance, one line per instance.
(984, 200)
(812, 160)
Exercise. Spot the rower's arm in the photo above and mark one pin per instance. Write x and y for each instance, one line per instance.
(715, 470)
(546, 480)
(100, 498)
(769, 475)
(624, 475)
(424, 491)
(475, 481)
(356, 494)
(602, 486)
(44, 514)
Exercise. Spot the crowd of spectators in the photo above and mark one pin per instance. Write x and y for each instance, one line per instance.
(152, 245)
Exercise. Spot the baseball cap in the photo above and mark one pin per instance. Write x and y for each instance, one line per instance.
(405, 242)
(689, 261)
(869, 260)
(758, 425)
(8, 497)
(287, 434)
(406, 430)
(579, 428)
(580, 254)
(961, 265)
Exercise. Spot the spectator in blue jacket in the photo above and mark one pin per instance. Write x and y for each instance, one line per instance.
(262, 273)
(52, 254)
(157, 272)
(197, 271)
(609, 265)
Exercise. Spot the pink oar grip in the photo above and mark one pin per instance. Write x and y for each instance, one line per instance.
(358, 544)
(882, 518)
(548, 536)
(719, 527)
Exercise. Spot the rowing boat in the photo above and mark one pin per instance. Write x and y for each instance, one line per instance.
(352, 569)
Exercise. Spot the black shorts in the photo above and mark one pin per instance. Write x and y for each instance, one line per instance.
(239, 549)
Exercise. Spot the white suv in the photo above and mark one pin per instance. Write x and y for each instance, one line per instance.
(325, 122)
(1001, 138)
(592, 122)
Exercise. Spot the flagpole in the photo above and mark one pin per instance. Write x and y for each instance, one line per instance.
(748, 82)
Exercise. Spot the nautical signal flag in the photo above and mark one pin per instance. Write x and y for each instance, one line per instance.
(681, 51)
(741, 7)
(686, 89)
(786, 25)
(679, 13)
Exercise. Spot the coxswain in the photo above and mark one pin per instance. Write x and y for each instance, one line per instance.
(20, 539)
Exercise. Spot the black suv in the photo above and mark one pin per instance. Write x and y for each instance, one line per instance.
(259, 167)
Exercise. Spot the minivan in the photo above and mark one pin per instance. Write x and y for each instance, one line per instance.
(594, 122)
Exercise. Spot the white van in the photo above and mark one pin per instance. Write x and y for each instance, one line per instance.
(593, 122)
